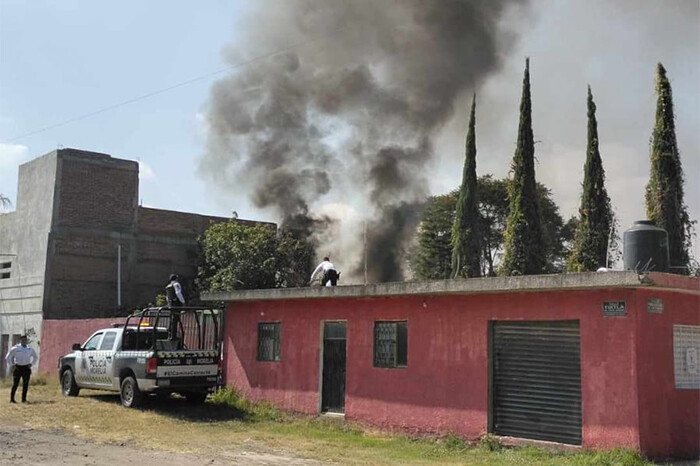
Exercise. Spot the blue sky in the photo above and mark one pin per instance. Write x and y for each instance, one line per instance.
(62, 59)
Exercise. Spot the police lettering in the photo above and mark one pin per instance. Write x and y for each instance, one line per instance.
(171, 362)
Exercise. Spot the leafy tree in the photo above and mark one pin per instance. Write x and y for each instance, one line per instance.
(237, 256)
(295, 260)
(664, 192)
(524, 249)
(432, 256)
(596, 228)
(466, 247)
(493, 210)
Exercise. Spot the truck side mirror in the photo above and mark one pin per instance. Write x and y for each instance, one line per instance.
(77, 347)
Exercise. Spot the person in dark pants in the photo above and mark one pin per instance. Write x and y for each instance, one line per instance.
(330, 274)
(21, 357)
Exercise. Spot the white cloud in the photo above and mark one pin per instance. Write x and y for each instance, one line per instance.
(146, 172)
(11, 157)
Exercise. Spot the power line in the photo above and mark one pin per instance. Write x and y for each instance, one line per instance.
(176, 86)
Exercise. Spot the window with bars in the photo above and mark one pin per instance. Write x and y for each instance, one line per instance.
(269, 334)
(390, 344)
(5, 269)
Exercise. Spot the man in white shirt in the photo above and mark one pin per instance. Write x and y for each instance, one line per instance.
(173, 292)
(21, 357)
(330, 274)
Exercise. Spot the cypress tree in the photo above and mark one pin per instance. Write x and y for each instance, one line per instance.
(466, 247)
(664, 192)
(596, 217)
(524, 249)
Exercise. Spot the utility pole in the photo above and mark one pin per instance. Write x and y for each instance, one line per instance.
(119, 276)
(364, 242)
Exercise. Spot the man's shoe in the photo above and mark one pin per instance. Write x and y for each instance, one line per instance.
(13, 401)
(24, 401)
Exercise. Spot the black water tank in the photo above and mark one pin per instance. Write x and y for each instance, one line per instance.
(645, 247)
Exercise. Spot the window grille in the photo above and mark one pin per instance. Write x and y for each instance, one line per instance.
(390, 344)
(269, 341)
(5, 270)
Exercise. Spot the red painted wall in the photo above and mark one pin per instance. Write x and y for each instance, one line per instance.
(669, 418)
(445, 386)
(57, 337)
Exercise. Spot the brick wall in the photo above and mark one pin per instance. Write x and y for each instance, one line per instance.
(157, 221)
(97, 192)
(96, 212)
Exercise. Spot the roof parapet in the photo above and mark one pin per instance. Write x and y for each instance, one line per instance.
(568, 281)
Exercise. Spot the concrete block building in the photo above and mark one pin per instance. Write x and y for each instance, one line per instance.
(77, 227)
(596, 360)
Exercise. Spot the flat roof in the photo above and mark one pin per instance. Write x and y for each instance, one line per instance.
(559, 282)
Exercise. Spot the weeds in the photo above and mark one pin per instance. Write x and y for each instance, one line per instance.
(251, 411)
(229, 422)
(490, 443)
(36, 380)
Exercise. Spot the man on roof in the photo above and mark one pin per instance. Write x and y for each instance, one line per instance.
(330, 274)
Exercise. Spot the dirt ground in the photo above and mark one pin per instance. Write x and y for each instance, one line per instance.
(36, 447)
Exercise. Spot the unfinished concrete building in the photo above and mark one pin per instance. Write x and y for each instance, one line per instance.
(77, 227)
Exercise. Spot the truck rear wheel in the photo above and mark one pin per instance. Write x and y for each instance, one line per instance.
(130, 394)
(68, 385)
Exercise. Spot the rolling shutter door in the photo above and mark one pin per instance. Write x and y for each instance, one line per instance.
(536, 385)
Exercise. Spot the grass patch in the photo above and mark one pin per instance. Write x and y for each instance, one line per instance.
(254, 412)
(41, 379)
(228, 422)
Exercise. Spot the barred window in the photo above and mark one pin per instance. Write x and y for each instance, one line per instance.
(390, 344)
(5, 269)
(269, 341)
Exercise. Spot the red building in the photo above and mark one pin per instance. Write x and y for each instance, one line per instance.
(598, 360)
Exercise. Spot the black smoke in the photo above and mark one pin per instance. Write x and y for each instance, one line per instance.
(350, 109)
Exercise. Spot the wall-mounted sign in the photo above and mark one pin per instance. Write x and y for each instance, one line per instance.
(686, 351)
(655, 305)
(614, 308)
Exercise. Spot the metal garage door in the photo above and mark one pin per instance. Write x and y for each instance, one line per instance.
(536, 380)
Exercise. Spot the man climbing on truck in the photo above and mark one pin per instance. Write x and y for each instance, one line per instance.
(173, 292)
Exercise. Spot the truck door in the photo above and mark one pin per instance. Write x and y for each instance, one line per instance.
(85, 360)
(103, 362)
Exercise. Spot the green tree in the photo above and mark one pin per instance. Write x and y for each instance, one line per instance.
(493, 210)
(431, 258)
(524, 248)
(465, 240)
(664, 192)
(236, 256)
(295, 260)
(596, 231)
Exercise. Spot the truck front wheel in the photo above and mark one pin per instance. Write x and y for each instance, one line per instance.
(130, 394)
(68, 385)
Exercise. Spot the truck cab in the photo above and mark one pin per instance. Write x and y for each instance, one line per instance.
(156, 351)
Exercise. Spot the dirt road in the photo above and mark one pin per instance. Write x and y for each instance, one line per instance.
(36, 447)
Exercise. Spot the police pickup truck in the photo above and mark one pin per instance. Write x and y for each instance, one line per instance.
(156, 351)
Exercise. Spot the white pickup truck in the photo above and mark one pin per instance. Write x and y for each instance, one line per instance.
(157, 351)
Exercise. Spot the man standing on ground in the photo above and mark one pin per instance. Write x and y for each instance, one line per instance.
(173, 292)
(21, 357)
(330, 274)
